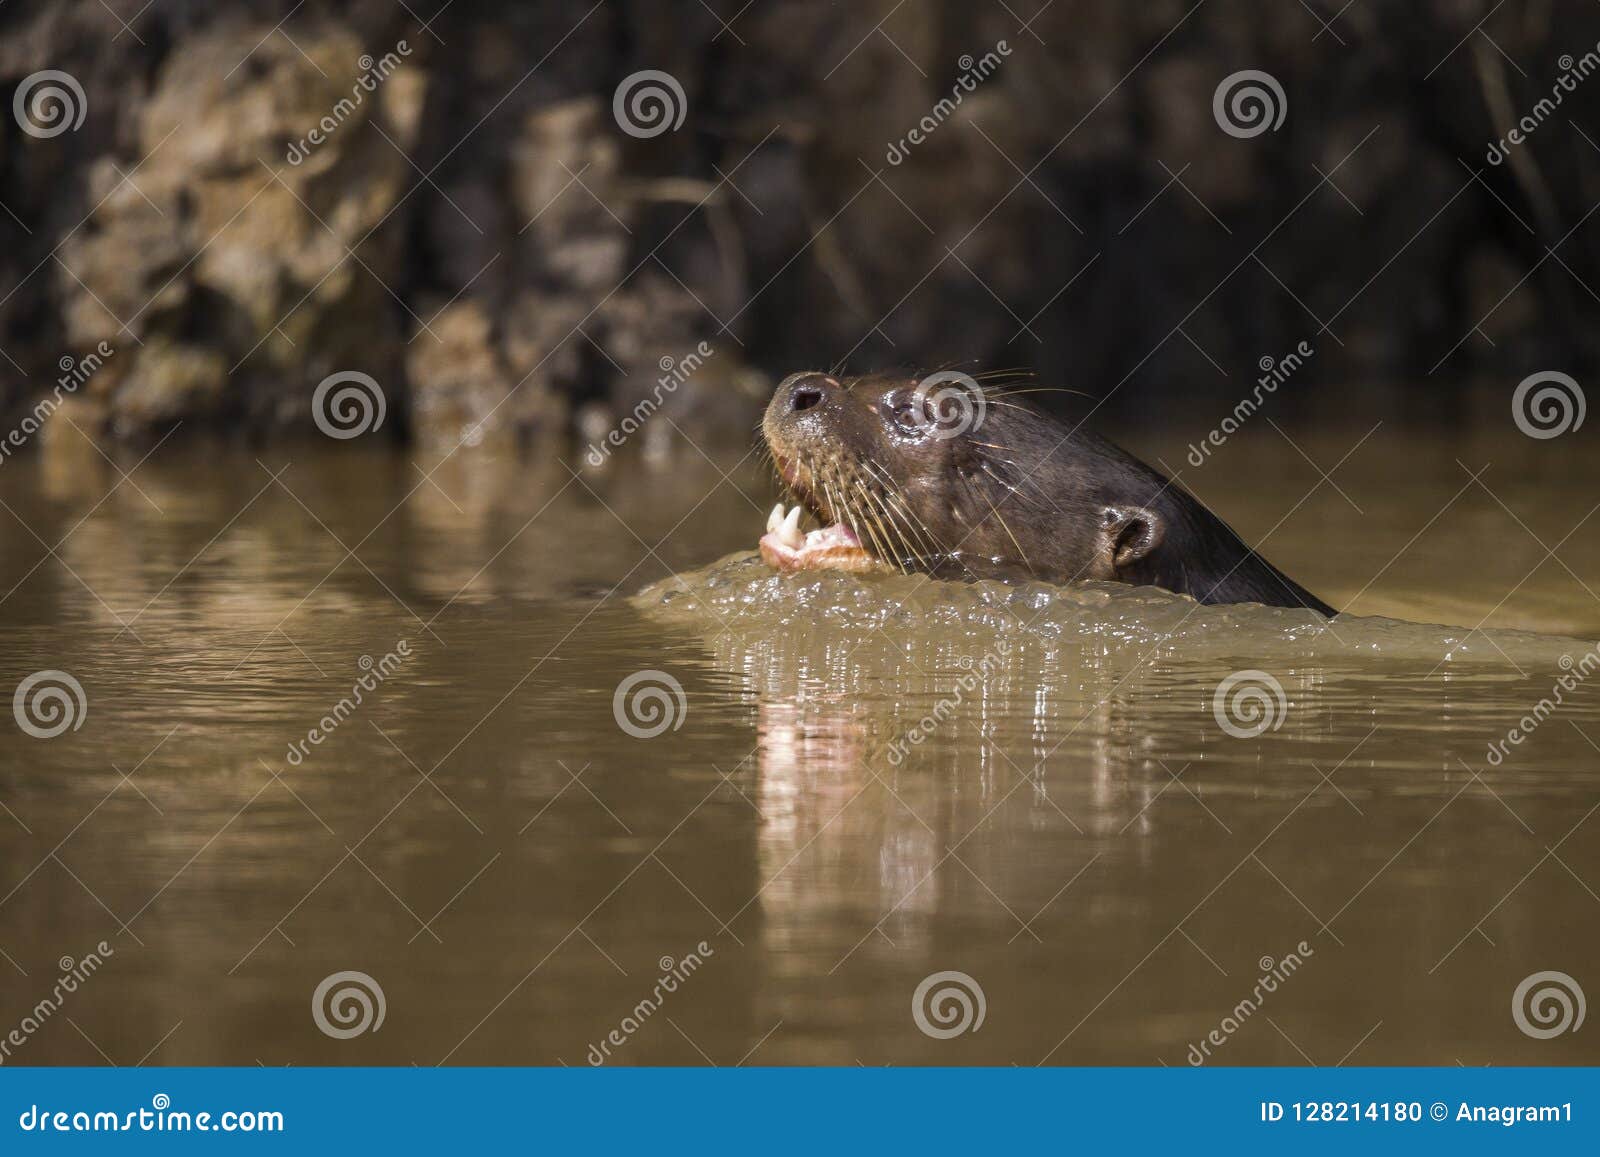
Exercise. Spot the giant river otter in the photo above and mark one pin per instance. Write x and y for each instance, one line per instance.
(943, 477)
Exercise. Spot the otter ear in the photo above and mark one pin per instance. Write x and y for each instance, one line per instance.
(1128, 534)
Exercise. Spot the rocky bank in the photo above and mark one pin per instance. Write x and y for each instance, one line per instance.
(477, 234)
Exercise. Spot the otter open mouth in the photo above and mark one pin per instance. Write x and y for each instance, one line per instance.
(785, 547)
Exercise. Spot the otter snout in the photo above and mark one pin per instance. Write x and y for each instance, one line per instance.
(802, 392)
(803, 410)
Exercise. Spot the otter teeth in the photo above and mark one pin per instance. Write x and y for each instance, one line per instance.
(789, 532)
(784, 525)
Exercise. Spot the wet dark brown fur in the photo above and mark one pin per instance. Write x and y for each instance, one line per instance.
(932, 480)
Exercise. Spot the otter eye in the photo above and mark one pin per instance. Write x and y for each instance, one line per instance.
(907, 412)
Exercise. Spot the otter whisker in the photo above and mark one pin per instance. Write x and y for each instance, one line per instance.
(894, 503)
(878, 531)
(932, 548)
(905, 553)
(934, 551)
(863, 516)
(891, 493)
(1004, 393)
(987, 467)
(1027, 489)
(836, 507)
(997, 402)
(907, 528)
(802, 462)
(995, 510)
(770, 462)
(1003, 375)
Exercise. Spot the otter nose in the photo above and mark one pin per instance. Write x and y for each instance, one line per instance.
(808, 390)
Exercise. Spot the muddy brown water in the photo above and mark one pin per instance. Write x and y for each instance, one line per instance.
(1073, 830)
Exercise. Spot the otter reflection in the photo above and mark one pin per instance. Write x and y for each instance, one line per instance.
(868, 798)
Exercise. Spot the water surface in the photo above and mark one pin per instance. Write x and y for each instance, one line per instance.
(1075, 831)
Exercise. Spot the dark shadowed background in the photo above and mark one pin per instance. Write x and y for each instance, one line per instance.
(479, 227)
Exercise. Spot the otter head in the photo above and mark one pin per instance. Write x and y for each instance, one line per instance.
(940, 475)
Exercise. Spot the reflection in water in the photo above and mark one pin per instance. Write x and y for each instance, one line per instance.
(1087, 784)
(1076, 831)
